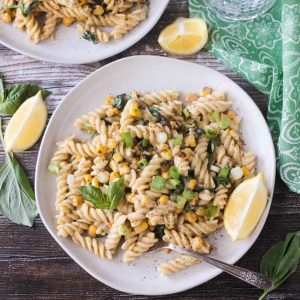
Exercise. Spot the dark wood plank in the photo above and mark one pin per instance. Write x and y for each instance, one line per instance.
(33, 266)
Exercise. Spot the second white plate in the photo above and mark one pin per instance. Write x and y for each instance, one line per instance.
(150, 73)
(69, 48)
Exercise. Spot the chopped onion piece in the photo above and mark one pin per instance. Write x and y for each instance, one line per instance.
(215, 169)
(236, 173)
(161, 137)
(70, 179)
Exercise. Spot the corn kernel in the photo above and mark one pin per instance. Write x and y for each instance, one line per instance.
(124, 170)
(191, 217)
(231, 114)
(78, 158)
(101, 150)
(92, 231)
(145, 201)
(165, 175)
(143, 226)
(163, 199)
(130, 198)
(95, 182)
(99, 10)
(67, 21)
(6, 17)
(166, 154)
(114, 175)
(113, 165)
(112, 112)
(117, 157)
(109, 99)
(77, 201)
(87, 178)
(206, 91)
(190, 97)
(200, 211)
(111, 143)
(135, 111)
(191, 184)
(245, 171)
(178, 209)
(123, 163)
(191, 140)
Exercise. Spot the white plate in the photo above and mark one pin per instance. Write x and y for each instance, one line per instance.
(69, 48)
(150, 73)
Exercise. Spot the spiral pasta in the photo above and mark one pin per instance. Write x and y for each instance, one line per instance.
(96, 22)
(152, 168)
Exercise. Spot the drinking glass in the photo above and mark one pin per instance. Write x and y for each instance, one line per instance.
(238, 10)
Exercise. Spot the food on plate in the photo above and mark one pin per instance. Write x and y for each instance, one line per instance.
(151, 167)
(26, 125)
(97, 21)
(186, 36)
(245, 207)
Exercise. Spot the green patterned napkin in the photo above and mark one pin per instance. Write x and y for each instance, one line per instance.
(266, 52)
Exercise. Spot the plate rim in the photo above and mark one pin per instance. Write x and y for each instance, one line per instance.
(57, 239)
(139, 35)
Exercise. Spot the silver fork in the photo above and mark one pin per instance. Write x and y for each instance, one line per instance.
(256, 279)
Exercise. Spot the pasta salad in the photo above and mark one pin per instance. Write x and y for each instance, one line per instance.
(152, 168)
(97, 21)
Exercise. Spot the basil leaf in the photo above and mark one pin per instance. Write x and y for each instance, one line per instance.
(17, 200)
(17, 94)
(26, 11)
(95, 196)
(159, 231)
(120, 101)
(116, 192)
(281, 260)
(91, 37)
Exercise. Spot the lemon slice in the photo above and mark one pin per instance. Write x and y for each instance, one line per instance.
(184, 37)
(26, 125)
(245, 207)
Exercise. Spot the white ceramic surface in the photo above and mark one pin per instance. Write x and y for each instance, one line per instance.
(150, 73)
(69, 48)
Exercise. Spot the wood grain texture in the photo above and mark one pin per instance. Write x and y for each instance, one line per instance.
(33, 266)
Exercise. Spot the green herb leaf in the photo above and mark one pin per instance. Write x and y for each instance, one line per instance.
(17, 200)
(211, 211)
(177, 140)
(95, 196)
(188, 194)
(155, 112)
(26, 11)
(211, 134)
(15, 95)
(174, 172)
(199, 132)
(158, 183)
(181, 201)
(186, 113)
(281, 260)
(91, 37)
(145, 143)
(224, 172)
(224, 123)
(143, 163)
(215, 116)
(127, 139)
(53, 168)
(159, 231)
(120, 101)
(116, 192)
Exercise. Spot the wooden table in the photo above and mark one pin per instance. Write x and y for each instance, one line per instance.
(33, 266)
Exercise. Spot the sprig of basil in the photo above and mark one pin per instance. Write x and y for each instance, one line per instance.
(17, 200)
(102, 200)
(12, 97)
(281, 261)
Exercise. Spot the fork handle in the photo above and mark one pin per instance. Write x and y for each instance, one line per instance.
(256, 279)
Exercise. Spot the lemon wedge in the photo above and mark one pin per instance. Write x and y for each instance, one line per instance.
(184, 37)
(245, 207)
(26, 125)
